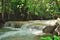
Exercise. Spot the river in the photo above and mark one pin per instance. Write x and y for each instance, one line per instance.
(28, 31)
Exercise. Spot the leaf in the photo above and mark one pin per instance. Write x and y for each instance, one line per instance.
(47, 9)
(18, 6)
(22, 1)
(58, 0)
(36, 13)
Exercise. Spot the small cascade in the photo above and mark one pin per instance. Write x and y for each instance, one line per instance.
(27, 29)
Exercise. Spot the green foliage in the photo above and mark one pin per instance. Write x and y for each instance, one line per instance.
(58, 13)
(38, 7)
(13, 0)
(41, 8)
(20, 4)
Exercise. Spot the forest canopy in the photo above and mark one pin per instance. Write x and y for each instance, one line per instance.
(30, 9)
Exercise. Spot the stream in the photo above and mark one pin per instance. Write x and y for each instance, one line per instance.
(27, 31)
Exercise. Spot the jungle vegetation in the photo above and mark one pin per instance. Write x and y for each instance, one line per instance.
(30, 9)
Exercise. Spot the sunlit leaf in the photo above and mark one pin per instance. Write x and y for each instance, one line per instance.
(47, 10)
(20, 7)
(17, 6)
(51, 10)
(22, 4)
(58, 0)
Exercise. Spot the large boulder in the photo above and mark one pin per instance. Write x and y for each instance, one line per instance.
(51, 29)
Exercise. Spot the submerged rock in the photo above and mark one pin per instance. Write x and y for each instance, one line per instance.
(18, 26)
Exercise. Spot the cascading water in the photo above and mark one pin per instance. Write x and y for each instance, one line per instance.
(27, 29)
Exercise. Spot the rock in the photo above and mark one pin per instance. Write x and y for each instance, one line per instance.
(17, 25)
(58, 29)
(50, 29)
(58, 20)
